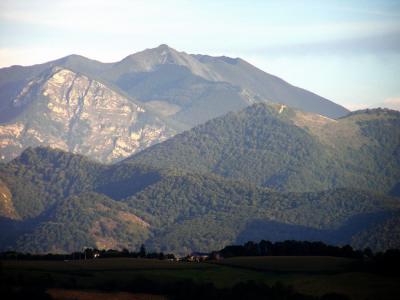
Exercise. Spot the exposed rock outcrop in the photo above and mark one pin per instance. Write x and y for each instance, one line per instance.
(7, 209)
(74, 113)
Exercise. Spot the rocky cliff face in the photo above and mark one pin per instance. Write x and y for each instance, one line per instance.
(7, 209)
(71, 112)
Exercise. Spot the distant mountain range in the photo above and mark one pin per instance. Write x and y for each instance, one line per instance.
(109, 111)
(266, 172)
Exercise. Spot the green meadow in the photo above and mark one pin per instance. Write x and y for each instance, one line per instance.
(308, 275)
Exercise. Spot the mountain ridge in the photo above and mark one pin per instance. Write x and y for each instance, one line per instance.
(284, 148)
(177, 89)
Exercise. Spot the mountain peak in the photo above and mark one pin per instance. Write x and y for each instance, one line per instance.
(166, 51)
(164, 47)
(72, 58)
(149, 59)
(156, 51)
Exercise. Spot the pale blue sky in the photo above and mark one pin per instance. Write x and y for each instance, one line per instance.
(347, 51)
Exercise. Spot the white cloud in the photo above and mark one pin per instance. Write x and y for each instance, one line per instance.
(357, 106)
(182, 18)
(26, 56)
(118, 17)
(392, 102)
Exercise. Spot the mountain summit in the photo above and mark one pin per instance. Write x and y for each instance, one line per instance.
(148, 59)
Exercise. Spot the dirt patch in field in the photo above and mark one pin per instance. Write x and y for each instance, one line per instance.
(60, 294)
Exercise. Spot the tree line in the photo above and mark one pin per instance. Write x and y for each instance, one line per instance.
(87, 253)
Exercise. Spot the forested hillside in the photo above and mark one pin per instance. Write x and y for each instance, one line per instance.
(288, 150)
(67, 202)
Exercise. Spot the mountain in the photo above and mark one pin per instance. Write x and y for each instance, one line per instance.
(109, 111)
(163, 77)
(66, 202)
(285, 149)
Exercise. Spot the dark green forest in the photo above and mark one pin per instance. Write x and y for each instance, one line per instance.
(270, 149)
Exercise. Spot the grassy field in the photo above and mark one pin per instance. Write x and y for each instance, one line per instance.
(308, 275)
(92, 273)
(62, 294)
(307, 264)
(318, 275)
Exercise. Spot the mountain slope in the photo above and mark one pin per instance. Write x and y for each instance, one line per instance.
(71, 112)
(205, 212)
(87, 220)
(182, 96)
(289, 150)
(40, 177)
(14, 79)
(383, 235)
(263, 86)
